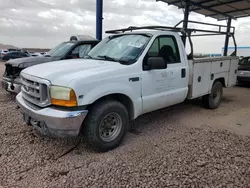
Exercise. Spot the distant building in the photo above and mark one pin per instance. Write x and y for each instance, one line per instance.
(241, 50)
(206, 55)
(214, 55)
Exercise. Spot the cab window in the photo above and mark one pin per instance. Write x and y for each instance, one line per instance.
(165, 47)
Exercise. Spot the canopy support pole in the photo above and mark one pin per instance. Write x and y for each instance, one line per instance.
(99, 18)
(185, 21)
(229, 21)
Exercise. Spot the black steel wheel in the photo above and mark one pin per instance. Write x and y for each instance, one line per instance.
(213, 100)
(106, 125)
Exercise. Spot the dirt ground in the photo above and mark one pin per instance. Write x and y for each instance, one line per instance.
(181, 146)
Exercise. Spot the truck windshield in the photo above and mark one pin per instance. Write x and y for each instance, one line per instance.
(125, 49)
(60, 50)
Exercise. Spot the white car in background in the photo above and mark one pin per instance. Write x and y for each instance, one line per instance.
(3, 53)
(36, 54)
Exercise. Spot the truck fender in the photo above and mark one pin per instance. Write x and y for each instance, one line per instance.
(113, 89)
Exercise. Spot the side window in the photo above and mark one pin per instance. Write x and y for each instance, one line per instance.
(154, 50)
(81, 50)
(165, 47)
(75, 51)
(84, 50)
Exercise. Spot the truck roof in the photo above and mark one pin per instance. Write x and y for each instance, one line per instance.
(83, 41)
(81, 37)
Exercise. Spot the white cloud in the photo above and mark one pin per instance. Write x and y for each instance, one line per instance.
(46, 14)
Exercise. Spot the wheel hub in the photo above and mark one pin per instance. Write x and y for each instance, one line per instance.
(217, 95)
(110, 127)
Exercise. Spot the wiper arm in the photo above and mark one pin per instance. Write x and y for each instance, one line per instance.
(108, 58)
(113, 59)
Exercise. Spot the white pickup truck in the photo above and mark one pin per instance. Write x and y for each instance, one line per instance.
(124, 76)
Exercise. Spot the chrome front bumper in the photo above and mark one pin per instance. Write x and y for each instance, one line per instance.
(51, 121)
(11, 86)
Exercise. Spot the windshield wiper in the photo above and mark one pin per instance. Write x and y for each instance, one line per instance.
(108, 58)
(124, 62)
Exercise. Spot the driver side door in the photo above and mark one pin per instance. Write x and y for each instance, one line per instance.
(164, 87)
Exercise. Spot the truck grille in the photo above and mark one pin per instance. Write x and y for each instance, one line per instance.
(35, 90)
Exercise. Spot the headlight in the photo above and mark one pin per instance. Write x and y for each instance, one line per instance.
(63, 96)
(25, 65)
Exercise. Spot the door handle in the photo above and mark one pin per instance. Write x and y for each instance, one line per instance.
(183, 73)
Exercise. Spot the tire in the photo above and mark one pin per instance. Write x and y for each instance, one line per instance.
(106, 125)
(240, 83)
(213, 100)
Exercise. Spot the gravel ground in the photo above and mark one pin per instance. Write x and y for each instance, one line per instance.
(182, 146)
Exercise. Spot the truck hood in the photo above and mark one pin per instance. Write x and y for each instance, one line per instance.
(63, 72)
(30, 61)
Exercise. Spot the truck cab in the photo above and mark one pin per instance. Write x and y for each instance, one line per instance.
(126, 75)
(77, 47)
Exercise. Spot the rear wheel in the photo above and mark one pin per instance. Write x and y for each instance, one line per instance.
(240, 82)
(213, 100)
(106, 125)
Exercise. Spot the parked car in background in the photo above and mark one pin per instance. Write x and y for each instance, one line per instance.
(35, 54)
(3, 53)
(243, 75)
(77, 47)
(14, 50)
(14, 55)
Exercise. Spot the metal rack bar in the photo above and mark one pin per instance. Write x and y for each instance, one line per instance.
(168, 28)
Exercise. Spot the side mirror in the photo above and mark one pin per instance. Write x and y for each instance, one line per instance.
(156, 63)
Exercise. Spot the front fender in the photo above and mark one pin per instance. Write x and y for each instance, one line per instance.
(100, 91)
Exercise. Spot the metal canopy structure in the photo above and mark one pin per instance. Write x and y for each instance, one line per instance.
(218, 9)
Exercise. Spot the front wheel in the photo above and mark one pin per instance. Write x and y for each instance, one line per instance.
(106, 125)
(213, 100)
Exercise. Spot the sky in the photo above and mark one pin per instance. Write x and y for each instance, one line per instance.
(46, 23)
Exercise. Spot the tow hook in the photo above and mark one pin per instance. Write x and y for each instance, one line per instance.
(12, 87)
